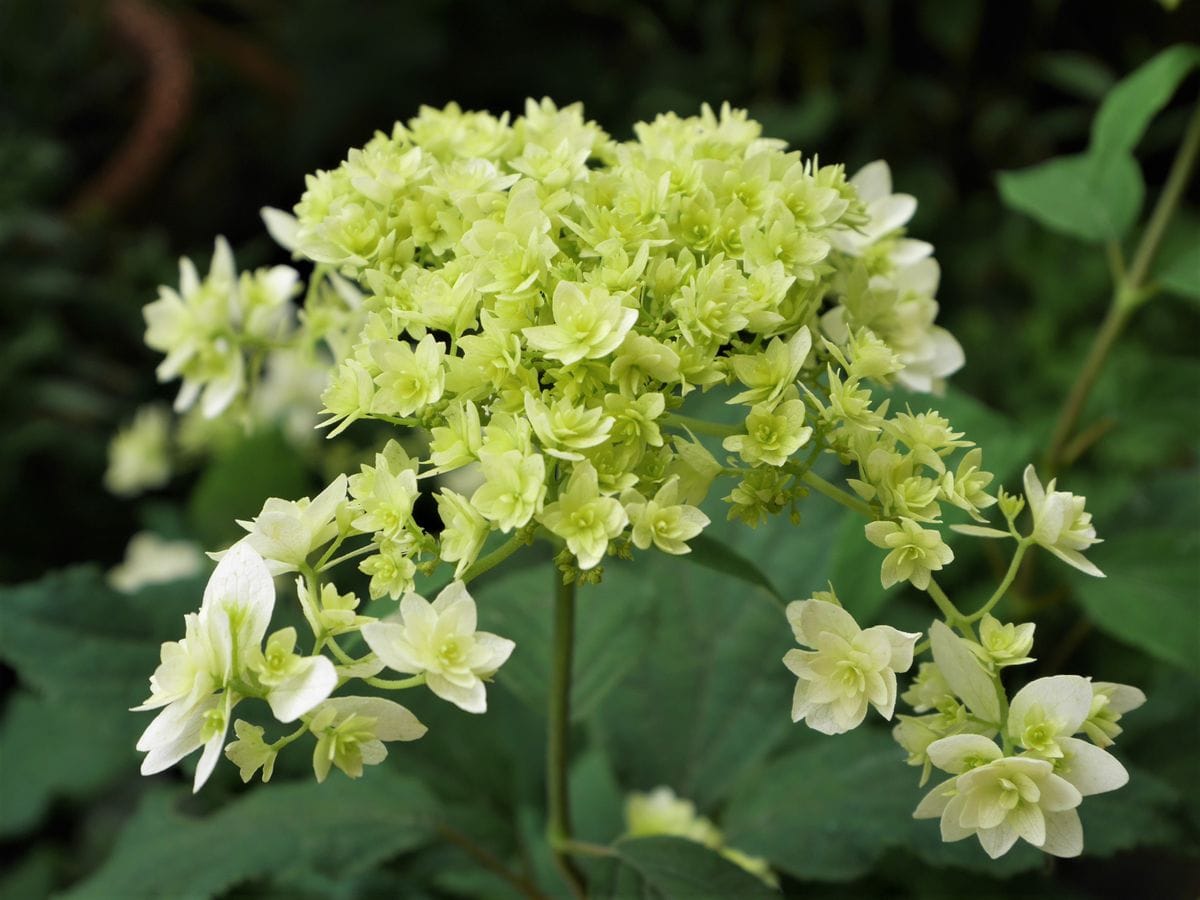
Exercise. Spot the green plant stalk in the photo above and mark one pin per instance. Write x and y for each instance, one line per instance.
(1013, 568)
(1129, 293)
(558, 823)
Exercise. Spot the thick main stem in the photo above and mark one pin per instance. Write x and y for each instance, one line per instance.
(558, 825)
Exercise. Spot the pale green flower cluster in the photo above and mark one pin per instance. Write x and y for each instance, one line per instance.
(1030, 785)
(539, 306)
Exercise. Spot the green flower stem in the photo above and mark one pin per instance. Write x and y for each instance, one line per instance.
(586, 848)
(1129, 293)
(558, 826)
(497, 556)
(329, 564)
(1005, 584)
(821, 486)
(396, 684)
(948, 609)
(308, 601)
(345, 658)
(288, 738)
(701, 426)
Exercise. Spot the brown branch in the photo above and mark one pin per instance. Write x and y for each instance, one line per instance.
(166, 99)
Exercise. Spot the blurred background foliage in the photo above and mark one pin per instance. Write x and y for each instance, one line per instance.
(132, 132)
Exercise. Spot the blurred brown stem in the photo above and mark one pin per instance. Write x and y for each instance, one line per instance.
(166, 99)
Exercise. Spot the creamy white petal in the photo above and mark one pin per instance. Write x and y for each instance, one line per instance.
(951, 754)
(997, 841)
(1061, 700)
(312, 680)
(1090, 769)
(387, 641)
(1064, 834)
(472, 699)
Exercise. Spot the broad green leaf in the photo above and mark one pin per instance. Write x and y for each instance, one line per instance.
(1178, 267)
(1075, 73)
(341, 826)
(1138, 815)
(70, 635)
(1150, 598)
(1137, 98)
(673, 867)
(709, 695)
(964, 673)
(239, 480)
(828, 810)
(58, 748)
(610, 639)
(1088, 196)
(716, 555)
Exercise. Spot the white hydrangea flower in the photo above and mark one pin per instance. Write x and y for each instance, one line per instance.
(1000, 799)
(849, 669)
(1110, 701)
(285, 532)
(351, 732)
(195, 683)
(150, 559)
(886, 213)
(439, 640)
(139, 455)
(1060, 523)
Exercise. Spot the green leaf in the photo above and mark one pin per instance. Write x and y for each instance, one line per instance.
(609, 638)
(674, 867)
(1149, 598)
(50, 749)
(70, 635)
(1137, 815)
(1092, 197)
(713, 554)
(829, 810)
(709, 696)
(1178, 266)
(239, 480)
(341, 826)
(1137, 98)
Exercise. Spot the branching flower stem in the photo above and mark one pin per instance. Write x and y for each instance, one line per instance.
(1129, 292)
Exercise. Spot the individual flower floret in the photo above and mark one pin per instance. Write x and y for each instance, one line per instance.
(409, 379)
(149, 559)
(351, 731)
(1004, 645)
(513, 489)
(767, 373)
(1060, 523)
(1110, 701)
(464, 530)
(285, 532)
(849, 668)
(1048, 710)
(771, 435)
(1000, 799)
(589, 323)
(584, 518)
(663, 521)
(203, 677)
(439, 640)
(916, 552)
